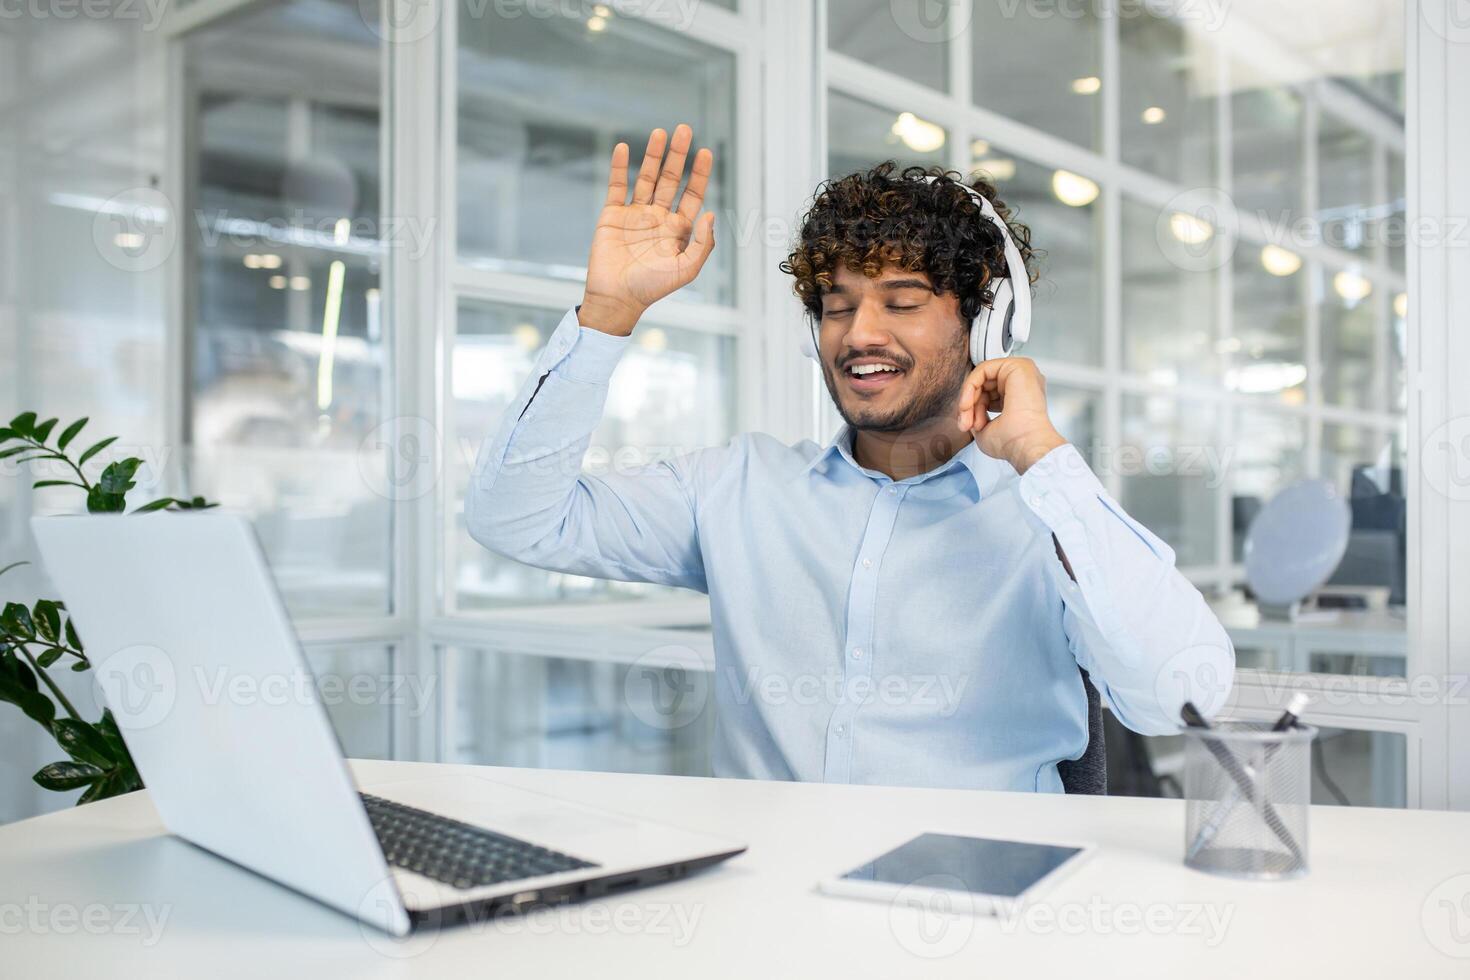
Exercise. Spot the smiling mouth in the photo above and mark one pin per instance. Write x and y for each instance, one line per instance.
(871, 377)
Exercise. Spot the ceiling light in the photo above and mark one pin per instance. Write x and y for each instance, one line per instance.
(1153, 115)
(1266, 377)
(1001, 169)
(1073, 190)
(596, 24)
(1401, 306)
(979, 148)
(1189, 229)
(278, 282)
(300, 283)
(1280, 261)
(917, 134)
(527, 337)
(252, 261)
(653, 340)
(1088, 85)
(1351, 285)
(128, 239)
(331, 316)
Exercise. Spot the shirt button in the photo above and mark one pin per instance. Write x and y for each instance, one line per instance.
(857, 653)
(867, 563)
(841, 728)
(892, 491)
(1035, 501)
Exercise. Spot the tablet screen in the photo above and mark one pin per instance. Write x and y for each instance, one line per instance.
(984, 866)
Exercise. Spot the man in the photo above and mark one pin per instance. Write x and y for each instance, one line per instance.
(909, 604)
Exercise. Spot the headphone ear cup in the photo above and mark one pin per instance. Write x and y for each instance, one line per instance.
(807, 341)
(996, 341)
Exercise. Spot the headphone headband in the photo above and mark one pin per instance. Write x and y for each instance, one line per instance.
(1017, 279)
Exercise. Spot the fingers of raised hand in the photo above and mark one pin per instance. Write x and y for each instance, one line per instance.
(648, 171)
(701, 244)
(617, 176)
(673, 167)
(693, 197)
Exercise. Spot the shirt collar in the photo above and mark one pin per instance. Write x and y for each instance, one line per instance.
(985, 471)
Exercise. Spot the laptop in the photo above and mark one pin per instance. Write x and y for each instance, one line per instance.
(193, 652)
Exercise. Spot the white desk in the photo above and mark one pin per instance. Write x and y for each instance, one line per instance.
(1377, 882)
(1284, 645)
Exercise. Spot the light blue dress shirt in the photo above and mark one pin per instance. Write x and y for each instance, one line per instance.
(918, 632)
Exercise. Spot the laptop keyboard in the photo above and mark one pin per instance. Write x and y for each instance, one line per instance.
(455, 853)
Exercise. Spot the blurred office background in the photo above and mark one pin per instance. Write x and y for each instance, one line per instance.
(300, 255)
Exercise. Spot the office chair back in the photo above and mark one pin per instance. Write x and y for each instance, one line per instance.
(1088, 773)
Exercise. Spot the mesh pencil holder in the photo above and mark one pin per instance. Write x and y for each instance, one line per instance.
(1247, 795)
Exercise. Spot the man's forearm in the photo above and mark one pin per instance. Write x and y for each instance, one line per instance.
(525, 471)
(530, 500)
(1135, 623)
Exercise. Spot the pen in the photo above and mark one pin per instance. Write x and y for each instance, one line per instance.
(1294, 709)
(1211, 827)
(1244, 782)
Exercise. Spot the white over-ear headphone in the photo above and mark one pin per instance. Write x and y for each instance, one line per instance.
(999, 329)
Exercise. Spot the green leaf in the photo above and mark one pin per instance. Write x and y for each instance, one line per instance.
(47, 617)
(158, 504)
(17, 620)
(94, 449)
(43, 430)
(62, 776)
(70, 433)
(80, 666)
(24, 423)
(72, 640)
(118, 477)
(56, 483)
(6, 434)
(109, 731)
(99, 501)
(19, 687)
(15, 450)
(49, 657)
(83, 742)
(100, 790)
(127, 778)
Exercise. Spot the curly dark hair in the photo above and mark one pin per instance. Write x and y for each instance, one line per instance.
(868, 220)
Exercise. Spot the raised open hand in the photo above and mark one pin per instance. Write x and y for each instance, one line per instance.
(646, 248)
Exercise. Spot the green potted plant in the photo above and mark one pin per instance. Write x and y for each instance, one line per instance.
(36, 638)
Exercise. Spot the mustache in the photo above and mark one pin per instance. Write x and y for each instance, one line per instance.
(903, 363)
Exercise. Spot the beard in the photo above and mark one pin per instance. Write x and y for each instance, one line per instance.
(934, 391)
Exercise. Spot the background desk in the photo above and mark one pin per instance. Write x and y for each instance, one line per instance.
(1382, 883)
